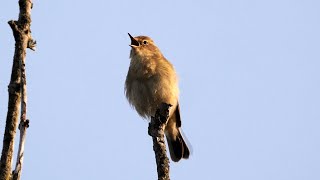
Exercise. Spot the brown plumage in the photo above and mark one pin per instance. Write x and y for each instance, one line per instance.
(151, 80)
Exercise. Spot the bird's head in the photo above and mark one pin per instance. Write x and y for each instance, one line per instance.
(144, 47)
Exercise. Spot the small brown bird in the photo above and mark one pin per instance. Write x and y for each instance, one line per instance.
(151, 80)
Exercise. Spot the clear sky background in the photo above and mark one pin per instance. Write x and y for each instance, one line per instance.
(249, 76)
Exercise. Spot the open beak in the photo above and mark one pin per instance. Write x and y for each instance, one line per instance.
(134, 42)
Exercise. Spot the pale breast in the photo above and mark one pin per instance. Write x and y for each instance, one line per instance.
(146, 94)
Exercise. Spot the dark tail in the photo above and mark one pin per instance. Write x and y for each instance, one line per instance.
(177, 147)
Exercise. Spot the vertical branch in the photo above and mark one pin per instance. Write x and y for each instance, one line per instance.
(24, 123)
(156, 130)
(23, 40)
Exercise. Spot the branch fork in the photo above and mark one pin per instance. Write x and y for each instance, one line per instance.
(17, 94)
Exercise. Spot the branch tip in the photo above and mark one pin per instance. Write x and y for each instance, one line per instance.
(13, 25)
(156, 130)
(32, 44)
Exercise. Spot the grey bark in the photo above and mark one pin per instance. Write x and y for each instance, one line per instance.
(156, 130)
(23, 40)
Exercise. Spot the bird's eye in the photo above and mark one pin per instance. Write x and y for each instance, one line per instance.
(145, 42)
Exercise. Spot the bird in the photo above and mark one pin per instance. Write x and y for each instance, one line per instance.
(151, 81)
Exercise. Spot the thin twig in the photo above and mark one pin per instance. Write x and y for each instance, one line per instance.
(24, 124)
(156, 130)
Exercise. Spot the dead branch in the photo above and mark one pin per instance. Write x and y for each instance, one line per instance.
(156, 130)
(17, 87)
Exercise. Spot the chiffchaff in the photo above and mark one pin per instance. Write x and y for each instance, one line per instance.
(151, 81)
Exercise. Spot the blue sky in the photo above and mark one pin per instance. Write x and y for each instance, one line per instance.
(249, 82)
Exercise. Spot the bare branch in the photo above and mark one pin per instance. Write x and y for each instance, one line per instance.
(156, 130)
(22, 35)
(24, 123)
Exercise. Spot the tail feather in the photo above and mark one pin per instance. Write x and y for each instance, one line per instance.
(178, 148)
